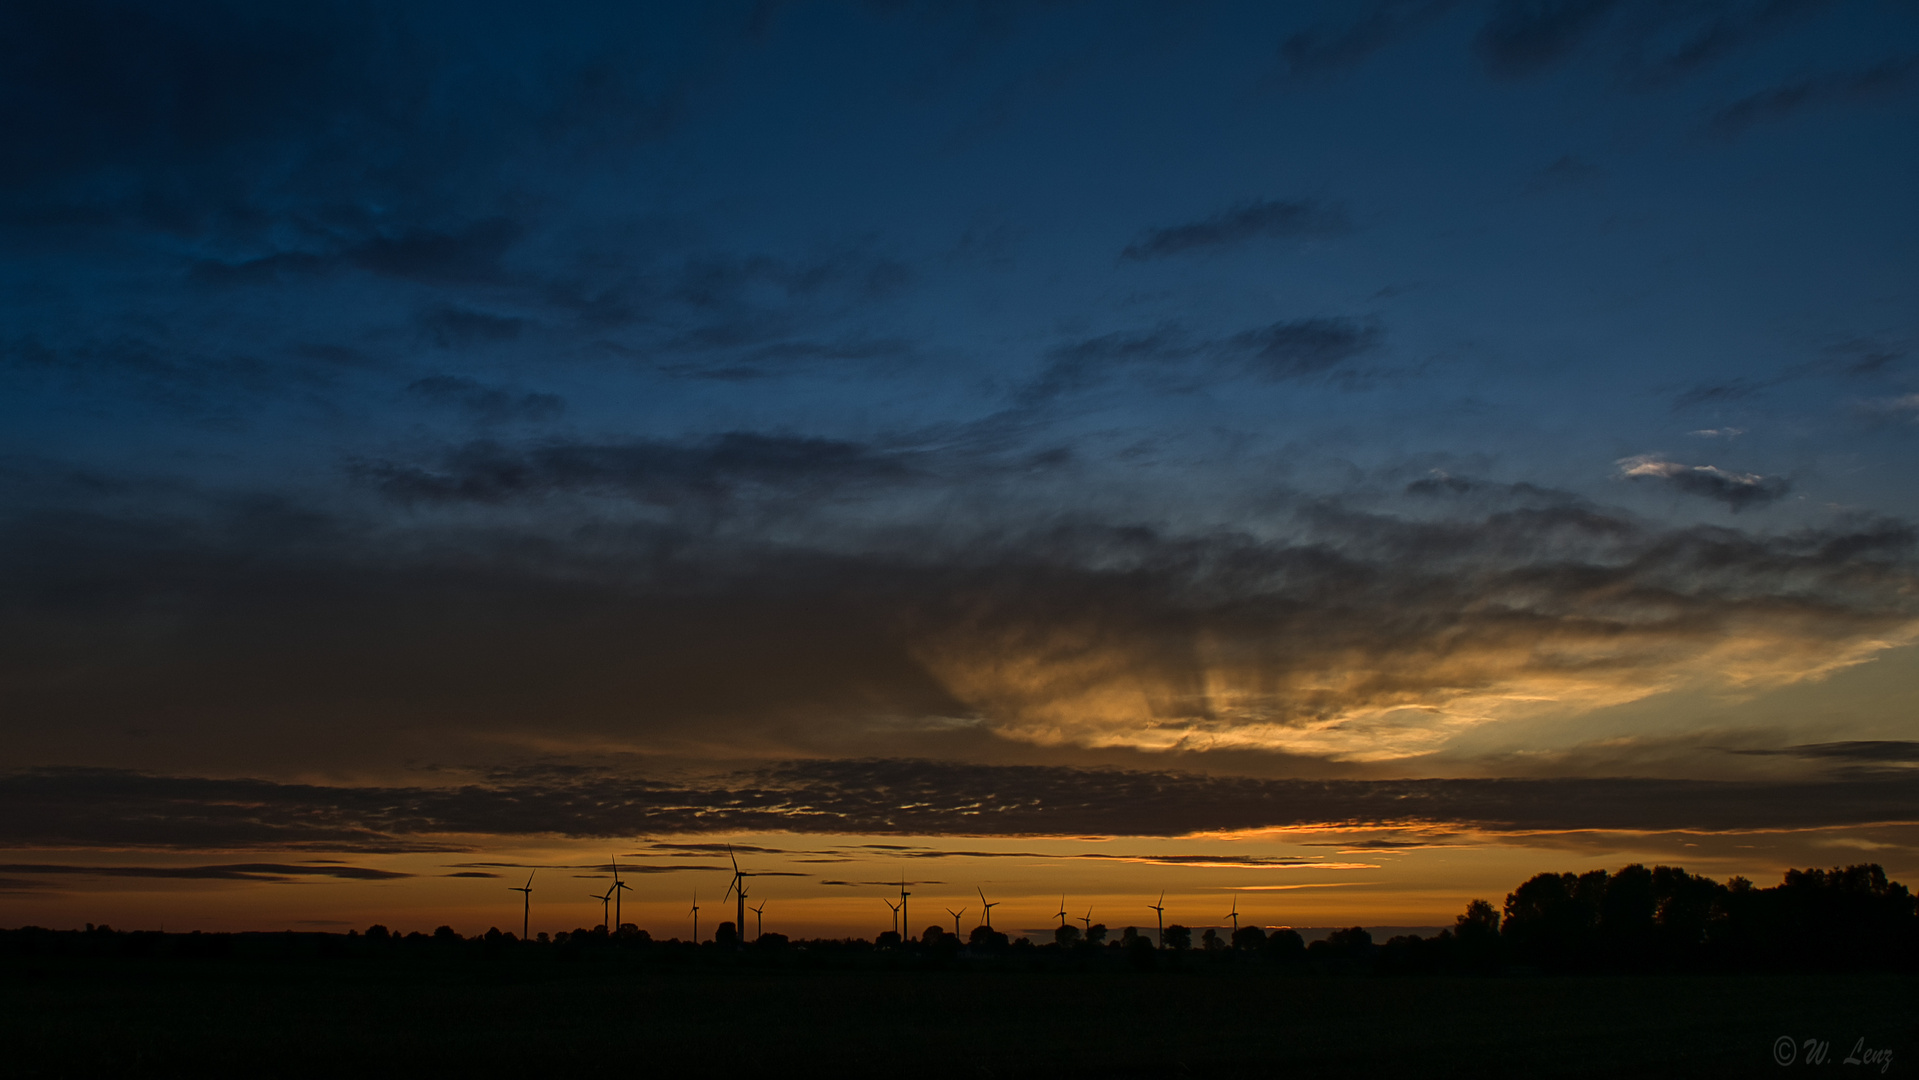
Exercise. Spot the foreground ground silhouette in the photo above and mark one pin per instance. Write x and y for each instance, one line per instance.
(1654, 971)
(210, 1018)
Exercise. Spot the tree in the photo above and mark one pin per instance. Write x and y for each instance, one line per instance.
(1066, 936)
(1178, 937)
(1096, 934)
(726, 935)
(1249, 938)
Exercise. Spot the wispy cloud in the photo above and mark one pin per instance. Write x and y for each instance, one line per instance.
(1271, 219)
(1739, 491)
(1781, 101)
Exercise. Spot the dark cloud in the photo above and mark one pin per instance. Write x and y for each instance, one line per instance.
(663, 473)
(1288, 349)
(1265, 220)
(455, 327)
(1525, 37)
(1875, 751)
(1706, 34)
(1300, 347)
(1782, 101)
(576, 625)
(471, 873)
(1563, 172)
(272, 872)
(487, 404)
(1328, 47)
(896, 797)
(1739, 491)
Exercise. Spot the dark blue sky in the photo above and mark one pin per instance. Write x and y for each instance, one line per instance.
(1393, 389)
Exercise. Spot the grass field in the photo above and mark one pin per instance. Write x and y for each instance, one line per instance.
(183, 1018)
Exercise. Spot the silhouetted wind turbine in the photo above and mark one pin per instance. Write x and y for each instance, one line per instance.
(906, 923)
(1234, 914)
(737, 887)
(605, 899)
(1160, 909)
(989, 907)
(1062, 912)
(759, 924)
(895, 909)
(696, 916)
(618, 888)
(526, 909)
(956, 918)
(1088, 919)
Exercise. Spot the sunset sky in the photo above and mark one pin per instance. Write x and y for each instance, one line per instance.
(1336, 459)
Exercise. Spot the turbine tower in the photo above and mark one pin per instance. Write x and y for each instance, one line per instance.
(906, 923)
(1234, 914)
(696, 916)
(988, 907)
(606, 900)
(737, 889)
(1088, 920)
(759, 924)
(1160, 910)
(526, 903)
(956, 918)
(618, 888)
(1061, 914)
(895, 909)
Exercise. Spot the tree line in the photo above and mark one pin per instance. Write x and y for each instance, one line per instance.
(1635, 919)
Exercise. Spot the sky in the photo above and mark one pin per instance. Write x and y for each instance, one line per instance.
(1336, 460)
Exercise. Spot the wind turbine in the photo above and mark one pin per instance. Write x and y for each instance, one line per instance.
(759, 924)
(1160, 909)
(1088, 919)
(696, 916)
(906, 923)
(737, 887)
(605, 899)
(956, 918)
(1062, 912)
(895, 909)
(1234, 914)
(526, 908)
(989, 907)
(618, 888)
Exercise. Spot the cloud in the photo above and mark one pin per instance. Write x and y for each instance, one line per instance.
(1739, 491)
(487, 404)
(1875, 751)
(1784, 100)
(905, 797)
(586, 594)
(1565, 171)
(1715, 31)
(714, 469)
(1272, 219)
(1525, 37)
(279, 873)
(1717, 433)
(1279, 351)
(1326, 47)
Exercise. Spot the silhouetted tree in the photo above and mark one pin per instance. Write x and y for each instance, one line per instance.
(888, 939)
(1066, 935)
(1249, 938)
(1096, 934)
(726, 935)
(1140, 951)
(1285, 946)
(986, 940)
(1178, 938)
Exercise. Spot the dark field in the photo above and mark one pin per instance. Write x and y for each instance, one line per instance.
(86, 1017)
